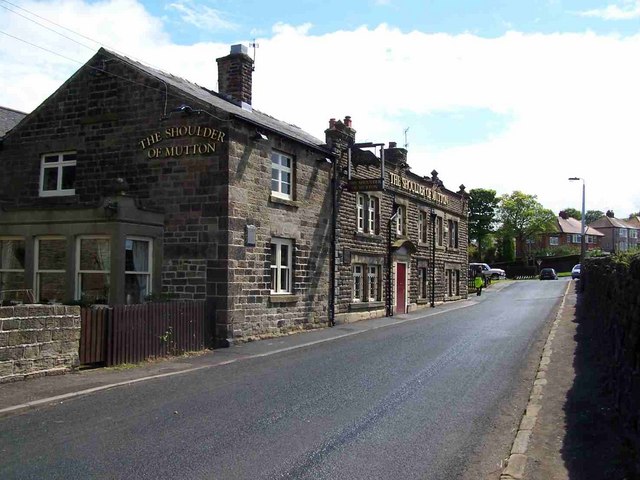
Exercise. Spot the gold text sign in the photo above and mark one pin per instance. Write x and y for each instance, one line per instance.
(205, 141)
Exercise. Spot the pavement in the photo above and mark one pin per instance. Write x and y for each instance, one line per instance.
(539, 450)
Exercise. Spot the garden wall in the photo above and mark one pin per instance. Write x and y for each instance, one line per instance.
(38, 340)
(611, 288)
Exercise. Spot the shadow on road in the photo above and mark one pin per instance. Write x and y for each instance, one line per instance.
(593, 447)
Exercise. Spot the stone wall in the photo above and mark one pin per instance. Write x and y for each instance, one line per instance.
(305, 219)
(38, 340)
(612, 313)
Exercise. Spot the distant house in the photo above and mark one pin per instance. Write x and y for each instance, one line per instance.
(9, 118)
(567, 233)
(634, 221)
(619, 235)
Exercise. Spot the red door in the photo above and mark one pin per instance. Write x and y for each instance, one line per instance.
(401, 287)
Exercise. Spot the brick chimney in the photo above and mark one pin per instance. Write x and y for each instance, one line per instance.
(563, 215)
(235, 73)
(610, 214)
(396, 156)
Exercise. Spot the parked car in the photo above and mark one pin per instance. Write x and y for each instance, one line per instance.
(487, 271)
(575, 271)
(548, 274)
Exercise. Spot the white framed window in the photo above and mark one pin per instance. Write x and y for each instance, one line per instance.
(358, 282)
(554, 241)
(93, 268)
(400, 220)
(373, 214)
(575, 238)
(591, 239)
(281, 259)
(12, 258)
(367, 213)
(281, 175)
(361, 200)
(373, 283)
(622, 232)
(633, 233)
(58, 174)
(423, 283)
(50, 269)
(137, 275)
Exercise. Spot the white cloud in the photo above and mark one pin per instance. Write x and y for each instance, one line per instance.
(572, 98)
(628, 10)
(201, 16)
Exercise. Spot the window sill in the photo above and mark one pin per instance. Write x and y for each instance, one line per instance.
(284, 201)
(368, 237)
(355, 306)
(57, 193)
(283, 298)
(423, 301)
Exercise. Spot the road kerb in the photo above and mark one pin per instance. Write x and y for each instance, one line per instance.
(517, 462)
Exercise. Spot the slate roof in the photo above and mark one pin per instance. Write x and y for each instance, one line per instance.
(215, 99)
(609, 222)
(9, 118)
(572, 226)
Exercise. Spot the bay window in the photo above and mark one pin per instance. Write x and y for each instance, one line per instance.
(12, 280)
(93, 269)
(50, 268)
(137, 283)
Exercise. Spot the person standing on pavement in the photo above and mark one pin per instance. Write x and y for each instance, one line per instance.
(478, 282)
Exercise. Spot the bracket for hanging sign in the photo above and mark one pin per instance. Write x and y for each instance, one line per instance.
(365, 184)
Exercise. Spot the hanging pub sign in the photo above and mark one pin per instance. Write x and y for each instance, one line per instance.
(203, 141)
(365, 185)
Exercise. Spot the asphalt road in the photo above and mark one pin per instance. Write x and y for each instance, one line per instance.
(434, 398)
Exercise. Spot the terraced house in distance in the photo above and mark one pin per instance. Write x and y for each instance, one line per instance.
(128, 183)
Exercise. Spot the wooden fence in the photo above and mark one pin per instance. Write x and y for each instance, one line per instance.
(134, 333)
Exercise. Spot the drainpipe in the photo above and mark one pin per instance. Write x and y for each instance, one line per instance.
(332, 249)
(433, 216)
(389, 265)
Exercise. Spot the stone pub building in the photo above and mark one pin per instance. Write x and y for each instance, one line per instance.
(129, 184)
(401, 239)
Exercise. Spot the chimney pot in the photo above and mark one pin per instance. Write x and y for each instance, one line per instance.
(332, 123)
(347, 121)
(393, 144)
(235, 49)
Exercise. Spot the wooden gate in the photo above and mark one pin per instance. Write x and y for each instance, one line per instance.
(134, 333)
(93, 335)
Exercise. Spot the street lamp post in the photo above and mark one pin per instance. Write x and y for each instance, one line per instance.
(583, 245)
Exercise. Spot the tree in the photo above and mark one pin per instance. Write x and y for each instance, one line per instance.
(523, 217)
(506, 253)
(591, 216)
(573, 213)
(631, 215)
(482, 215)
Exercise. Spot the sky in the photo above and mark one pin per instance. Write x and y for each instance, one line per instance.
(499, 94)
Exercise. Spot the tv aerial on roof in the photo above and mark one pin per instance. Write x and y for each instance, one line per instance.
(254, 45)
